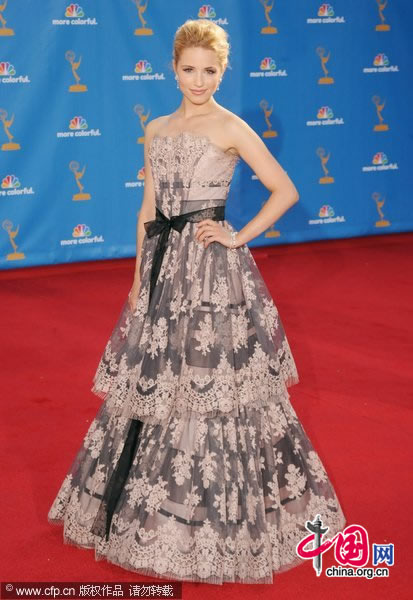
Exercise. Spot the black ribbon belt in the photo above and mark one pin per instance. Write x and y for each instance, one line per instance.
(121, 472)
(161, 226)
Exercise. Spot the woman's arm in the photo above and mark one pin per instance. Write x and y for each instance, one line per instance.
(147, 211)
(268, 170)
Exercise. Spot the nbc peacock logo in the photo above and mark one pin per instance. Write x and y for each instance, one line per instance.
(381, 60)
(380, 162)
(326, 10)
(325, 116)
(75, 15)
(325, 15)
(82, 234)
(6, 69)
(268, 64)
(11, 186)
(143, 66)
(78, 127)
(326, 211)
(326, 215)
(8, 74)
(139, 182)
(78, 123)
(81, 230)
(380, 159)
(143, 72)
(325, 112)
(381, 64)
(10, 182)
(74, 10)
(206, 11)
(268, 68)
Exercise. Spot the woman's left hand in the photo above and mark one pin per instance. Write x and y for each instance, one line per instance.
(211, 231)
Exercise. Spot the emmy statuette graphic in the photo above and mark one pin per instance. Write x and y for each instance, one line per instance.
(74, 167)
(321, 153)
(141, 9)
(8, 226)
(75, 87)
(383, 26)
(138, 109)
(379, 108)
(3, 29)
(326, 80)
(382, 222)
(268, 8)
(6, 124)
(269, 133)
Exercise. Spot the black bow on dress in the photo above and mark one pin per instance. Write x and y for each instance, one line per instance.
(161, 226)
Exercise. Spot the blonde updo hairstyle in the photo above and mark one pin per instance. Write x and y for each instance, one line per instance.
(202, 33)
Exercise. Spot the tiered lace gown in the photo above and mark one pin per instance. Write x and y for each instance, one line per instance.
(223, 477)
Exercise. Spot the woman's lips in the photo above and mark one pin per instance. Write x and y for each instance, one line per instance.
(198, 92)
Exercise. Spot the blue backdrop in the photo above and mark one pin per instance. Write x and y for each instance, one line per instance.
(326, 85)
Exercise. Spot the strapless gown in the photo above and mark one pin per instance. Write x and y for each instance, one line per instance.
(196, 467)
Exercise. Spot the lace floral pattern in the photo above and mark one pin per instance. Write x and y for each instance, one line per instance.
(207, 499)
(224, 476)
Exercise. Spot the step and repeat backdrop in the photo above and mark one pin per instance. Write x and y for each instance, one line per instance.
(328, 87)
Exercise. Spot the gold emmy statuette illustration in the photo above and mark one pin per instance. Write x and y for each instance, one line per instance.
(271, 231)
(138, 109)
(75, 87)
(326, 80)
(141, 9)
(3, 29)
(268, 8)
(382, 26)
(8, 226)
(379, 108)
(270, 133)
(321, 153)
(74, 167)
(6, 124)
(379, 203)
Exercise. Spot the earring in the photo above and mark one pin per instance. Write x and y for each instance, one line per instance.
(177, 84)
(218, 83)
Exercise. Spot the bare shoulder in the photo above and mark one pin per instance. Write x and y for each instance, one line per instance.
(233, 132)
(155, 126)
(245, 140)
(240, 134)
(253, 150)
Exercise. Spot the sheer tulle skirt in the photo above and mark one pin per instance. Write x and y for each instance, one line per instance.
(210, 342)
(206, 499)
(223, 477)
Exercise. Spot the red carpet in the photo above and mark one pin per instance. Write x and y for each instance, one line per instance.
(346, 306)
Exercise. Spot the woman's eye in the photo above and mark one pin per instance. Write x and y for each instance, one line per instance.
(208, 71)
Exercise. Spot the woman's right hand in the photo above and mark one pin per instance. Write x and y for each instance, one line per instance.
(134, 293)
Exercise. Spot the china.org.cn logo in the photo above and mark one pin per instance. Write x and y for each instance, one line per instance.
(351, 551)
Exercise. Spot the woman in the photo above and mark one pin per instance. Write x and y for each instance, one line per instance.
(196, 467)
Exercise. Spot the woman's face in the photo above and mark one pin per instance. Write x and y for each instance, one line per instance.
(198, 72)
